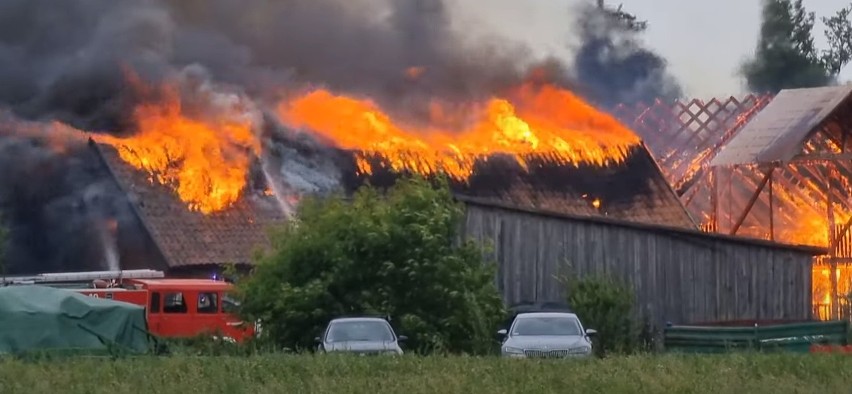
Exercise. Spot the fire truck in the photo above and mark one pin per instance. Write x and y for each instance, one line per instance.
(174, 308)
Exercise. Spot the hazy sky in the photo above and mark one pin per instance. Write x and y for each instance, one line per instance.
(704, 41)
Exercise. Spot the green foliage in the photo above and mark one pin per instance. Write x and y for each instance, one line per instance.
(606, 305)
(396, 255)
(786, 56)
(838, 33)
(741, 373)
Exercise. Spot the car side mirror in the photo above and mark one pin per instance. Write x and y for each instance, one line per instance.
(317, 339)
(402, 338)
(502, 332)
(591, 332)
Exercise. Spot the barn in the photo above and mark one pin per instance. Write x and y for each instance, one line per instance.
(542, 223)
(771, 167)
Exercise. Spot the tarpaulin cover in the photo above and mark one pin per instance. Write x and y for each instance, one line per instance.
(44, 319)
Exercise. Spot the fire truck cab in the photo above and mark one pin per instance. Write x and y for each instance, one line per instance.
(173, 307)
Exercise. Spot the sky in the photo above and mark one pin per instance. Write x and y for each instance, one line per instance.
(703, 41)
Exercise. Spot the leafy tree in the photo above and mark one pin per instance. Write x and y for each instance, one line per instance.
(838, 33)
(786, 56)
(396, 254)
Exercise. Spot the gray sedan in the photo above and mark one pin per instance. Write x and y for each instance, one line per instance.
(546, 335)
(360, 335)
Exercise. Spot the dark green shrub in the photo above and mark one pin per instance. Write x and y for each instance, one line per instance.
(606, 305)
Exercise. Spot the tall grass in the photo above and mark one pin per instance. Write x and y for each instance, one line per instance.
(745, 373)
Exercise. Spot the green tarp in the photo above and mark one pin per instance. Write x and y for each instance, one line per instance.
(44, 319)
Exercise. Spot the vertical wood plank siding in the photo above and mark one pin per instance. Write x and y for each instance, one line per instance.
(677, 277)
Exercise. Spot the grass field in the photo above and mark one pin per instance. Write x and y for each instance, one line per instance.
(317, 374)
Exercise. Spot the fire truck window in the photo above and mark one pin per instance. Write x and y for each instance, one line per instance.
(208, 303)
(155, 303)
(174, 303)
(230, 305)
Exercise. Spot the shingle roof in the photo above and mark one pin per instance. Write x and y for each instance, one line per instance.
(633, 191)
(188, 238)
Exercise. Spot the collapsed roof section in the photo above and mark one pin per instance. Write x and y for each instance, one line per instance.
(633, 191)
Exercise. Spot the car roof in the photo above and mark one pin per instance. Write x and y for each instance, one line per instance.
(545, 314)
(358, 319)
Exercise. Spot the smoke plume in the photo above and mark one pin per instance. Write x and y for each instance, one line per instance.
(612, 66)
(75, 62)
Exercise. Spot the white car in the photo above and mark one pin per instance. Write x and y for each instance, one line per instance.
(546, 335)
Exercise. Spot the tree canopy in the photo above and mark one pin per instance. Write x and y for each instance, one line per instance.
(396, 254)
(786, 55)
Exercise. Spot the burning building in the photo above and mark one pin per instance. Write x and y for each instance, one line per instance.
(766, 167)
(171, 134)
(558, 186)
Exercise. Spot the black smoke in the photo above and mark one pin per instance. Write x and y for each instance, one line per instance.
(611, 64)
(60, 206)
(74, 61)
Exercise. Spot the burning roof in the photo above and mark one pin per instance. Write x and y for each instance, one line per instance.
(632, 191)
(189, 237)
(541, 148)
(537, 147)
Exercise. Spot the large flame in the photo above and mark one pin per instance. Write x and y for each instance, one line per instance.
(537, 120)
(205, 158)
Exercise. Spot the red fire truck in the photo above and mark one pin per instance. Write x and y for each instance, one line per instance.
(173, 307)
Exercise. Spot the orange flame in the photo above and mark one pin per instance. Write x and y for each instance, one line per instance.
(204, 160)
(542, 120)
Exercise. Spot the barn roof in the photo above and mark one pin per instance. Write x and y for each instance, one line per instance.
(632, 191)
(777, 132)
(189, 238)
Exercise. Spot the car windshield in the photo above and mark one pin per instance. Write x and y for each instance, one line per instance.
(534, 326)
(362, 331)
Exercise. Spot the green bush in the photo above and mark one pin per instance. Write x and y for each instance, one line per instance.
(395, 254)
(606, 305)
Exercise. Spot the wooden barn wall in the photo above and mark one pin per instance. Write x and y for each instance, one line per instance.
(677, 277)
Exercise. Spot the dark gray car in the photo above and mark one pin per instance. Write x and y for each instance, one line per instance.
(360, 335)
(546, 335)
